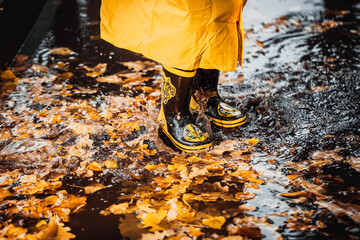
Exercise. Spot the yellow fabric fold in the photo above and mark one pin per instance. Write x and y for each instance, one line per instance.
(184, 34)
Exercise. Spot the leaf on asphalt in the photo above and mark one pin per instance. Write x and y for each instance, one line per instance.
(296, 194)
(214, 222)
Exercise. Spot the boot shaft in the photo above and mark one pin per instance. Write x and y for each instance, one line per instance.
(175, 93)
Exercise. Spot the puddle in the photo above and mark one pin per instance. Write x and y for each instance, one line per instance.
(301, 90)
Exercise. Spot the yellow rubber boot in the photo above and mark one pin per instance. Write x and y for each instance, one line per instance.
(175, 119)
(222, 114)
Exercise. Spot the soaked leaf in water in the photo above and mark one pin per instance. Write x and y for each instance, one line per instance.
(40, 68)
(94, 188)
(153, 220)
(110, 79)
(63, 51)
(140, 65)
(7, 75)
(116, 209)
(65, 76)
(54, 230)
(97, 70)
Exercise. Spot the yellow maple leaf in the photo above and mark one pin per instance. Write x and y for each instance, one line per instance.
(153, 220)
(94, 166)
(252, 141)
(214, 222)
(110, 164)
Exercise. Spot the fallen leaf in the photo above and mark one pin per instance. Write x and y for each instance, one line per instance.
(55, 230)
(97, 70)
(7, 75)
(94, 188)
(260, 44)
(63, 51)
(65, 76)
(116, 209)
(110, 79)
(94, 166)
(4, 193)
(214, 222)
(110, 164)
(153, 220)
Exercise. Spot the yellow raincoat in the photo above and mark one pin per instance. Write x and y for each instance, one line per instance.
(185, 34)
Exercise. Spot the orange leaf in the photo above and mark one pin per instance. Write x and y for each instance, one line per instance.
(94, 166)
(63, 51)
(214, 222)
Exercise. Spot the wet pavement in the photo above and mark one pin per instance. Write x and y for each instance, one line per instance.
(291, 173)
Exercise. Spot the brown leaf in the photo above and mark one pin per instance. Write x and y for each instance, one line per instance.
(260, 44)
(339, 211)
(244, 227)
(296, 194)
(97, 70)
(20, 59)
(140, 65)
(65, 76)
(7, 75)
(63, 51)
(40, 68)
(110, 79)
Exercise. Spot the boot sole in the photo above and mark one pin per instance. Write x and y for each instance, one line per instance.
(228, 124)
(183, 147)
